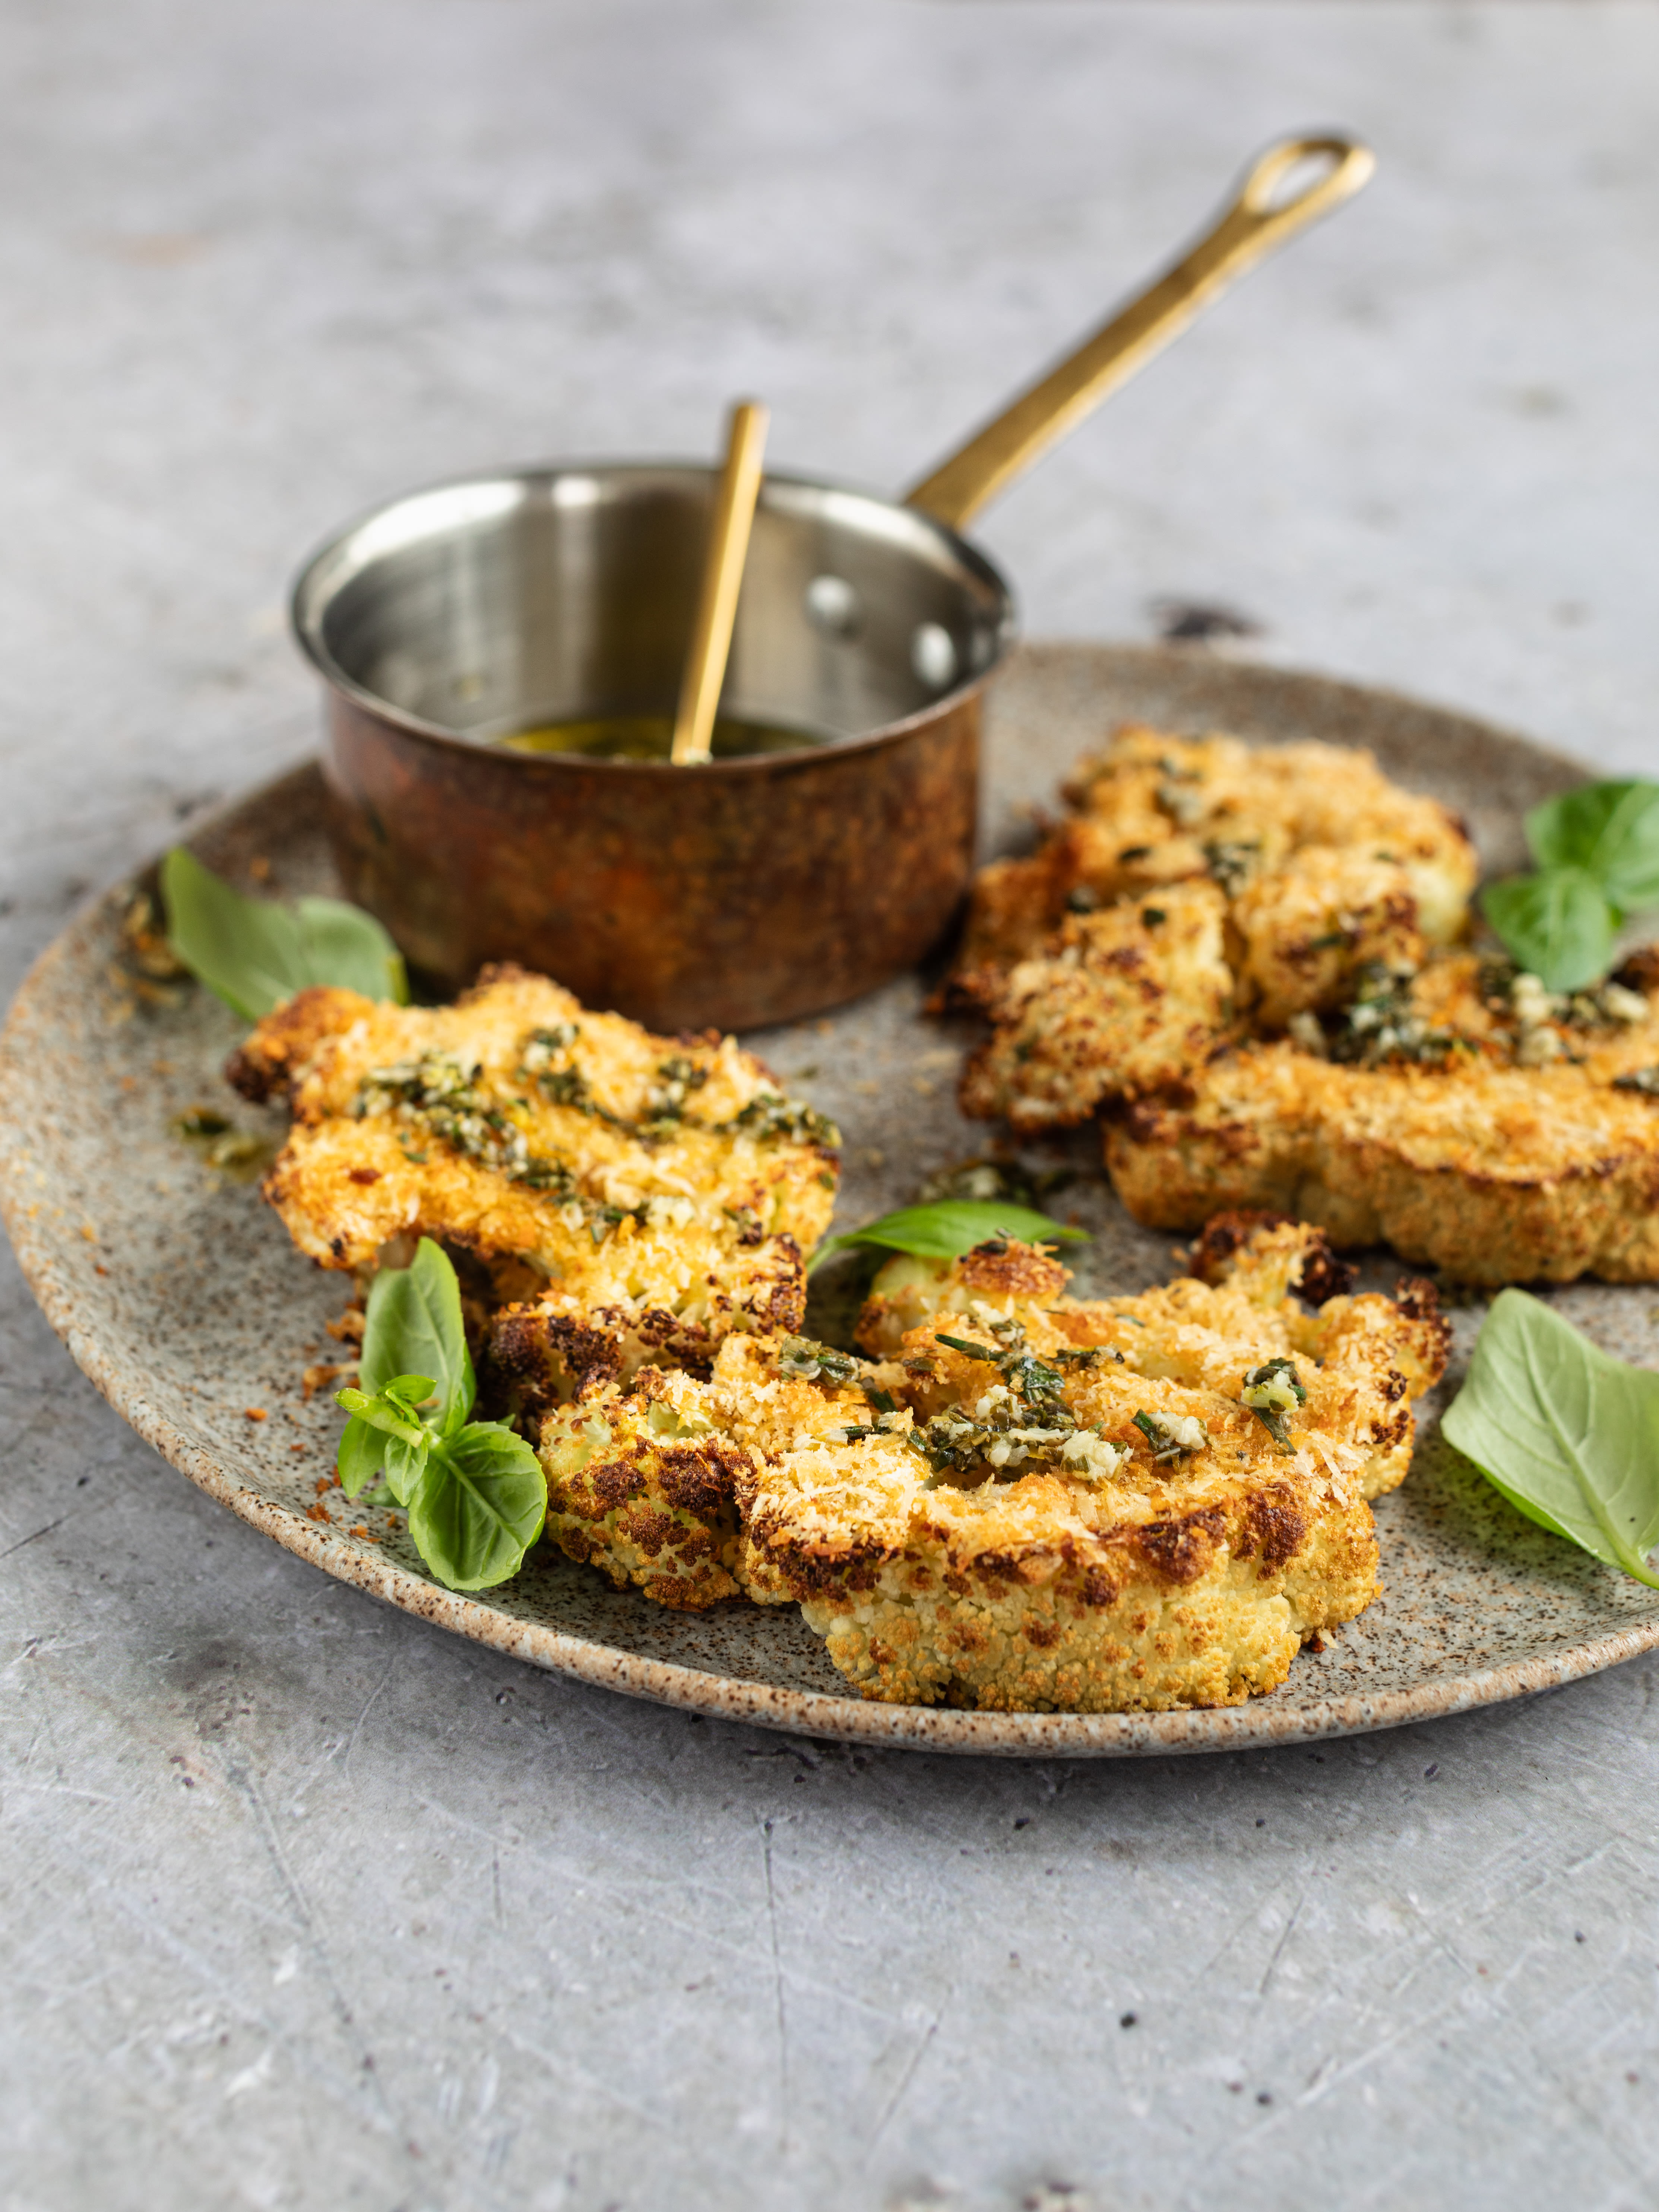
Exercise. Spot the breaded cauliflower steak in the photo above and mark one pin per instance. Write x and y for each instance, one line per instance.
(991, 1526)
(1497, 1172)
(638, 1196)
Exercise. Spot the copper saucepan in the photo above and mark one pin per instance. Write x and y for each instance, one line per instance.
(739, 891)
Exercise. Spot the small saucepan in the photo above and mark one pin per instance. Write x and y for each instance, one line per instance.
(745, 889)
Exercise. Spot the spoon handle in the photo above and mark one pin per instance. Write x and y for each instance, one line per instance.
(1249, 229)
(722, 579)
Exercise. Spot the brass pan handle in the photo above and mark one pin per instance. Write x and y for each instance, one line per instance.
(1248, 230)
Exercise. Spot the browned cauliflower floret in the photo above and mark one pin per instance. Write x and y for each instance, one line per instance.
(1122, 1002)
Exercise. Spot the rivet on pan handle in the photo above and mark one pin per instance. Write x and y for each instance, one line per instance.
(1252, 225)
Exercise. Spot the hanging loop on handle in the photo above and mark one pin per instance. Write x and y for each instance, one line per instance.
(1252, 225)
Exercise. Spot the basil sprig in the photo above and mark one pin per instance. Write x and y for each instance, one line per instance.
(254, 953)
(949, 1228)
(1568, 1433)
(1597, 850)
(474, 1491)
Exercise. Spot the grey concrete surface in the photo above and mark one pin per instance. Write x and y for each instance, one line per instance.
(305, 1905)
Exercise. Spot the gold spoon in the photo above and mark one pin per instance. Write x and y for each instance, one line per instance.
(722, 579)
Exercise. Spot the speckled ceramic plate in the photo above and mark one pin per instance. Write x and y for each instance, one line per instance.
(179, 1293)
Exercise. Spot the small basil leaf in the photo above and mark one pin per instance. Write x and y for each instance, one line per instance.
(383, 1414)
(949, 1228)
(1569, 1434)
(414, 1327)
(255, 953)
(1558, 925)
(361, 1455)
(413, 1391)
(1611, 830)
(478, 1506)
(405, 1464)
(345, 946)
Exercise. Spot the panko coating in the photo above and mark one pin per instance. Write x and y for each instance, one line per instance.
(1120, 1003)
(628, 1197)
(1528, 1151)
(1020, 1501)
(1154, 810)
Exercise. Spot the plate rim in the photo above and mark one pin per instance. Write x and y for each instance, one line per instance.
(1257, 1724)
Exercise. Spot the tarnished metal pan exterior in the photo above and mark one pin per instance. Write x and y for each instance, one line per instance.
(736, 893)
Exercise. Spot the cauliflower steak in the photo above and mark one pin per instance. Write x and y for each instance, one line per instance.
(1021, 1501)
(627, 1197)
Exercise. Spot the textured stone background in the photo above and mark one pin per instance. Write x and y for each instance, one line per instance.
(306, 1906)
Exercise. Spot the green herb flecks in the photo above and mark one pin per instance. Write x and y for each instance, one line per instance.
(1170, 1435)
(775, 1119)
(983, 1179)
(1232, 863)
(437, 1096)
(947, 1229)
(548, 1064)
(678, 1079)
(1017, 1424)
(256, 953)
(807, 1361)
(1383, 1023)
(1569, 1434)
(442, 1097)
(474, 1492)
(1271, 1391)
(239, 1153)
(544, 1061)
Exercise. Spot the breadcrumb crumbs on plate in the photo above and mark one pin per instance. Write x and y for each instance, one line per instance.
(255, 1413)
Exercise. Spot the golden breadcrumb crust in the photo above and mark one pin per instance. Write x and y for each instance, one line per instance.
(1385, 869)
(634, 1197)
(1495, 1172)
(1122, 1003)
(1133, 1583)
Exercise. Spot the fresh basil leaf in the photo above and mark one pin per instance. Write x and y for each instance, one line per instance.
(1557, 925)
(947, 1229)
(1569, 1434)
(361, 1455)
(255, 953)
(1610, 830)
(414, 1327)
(249, 952)
(383, 1414)
(405, 1464)
(414, 1393)
(478, 1506)
(345, 946)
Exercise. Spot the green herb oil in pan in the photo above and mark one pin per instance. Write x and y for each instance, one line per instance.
(650, 737)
